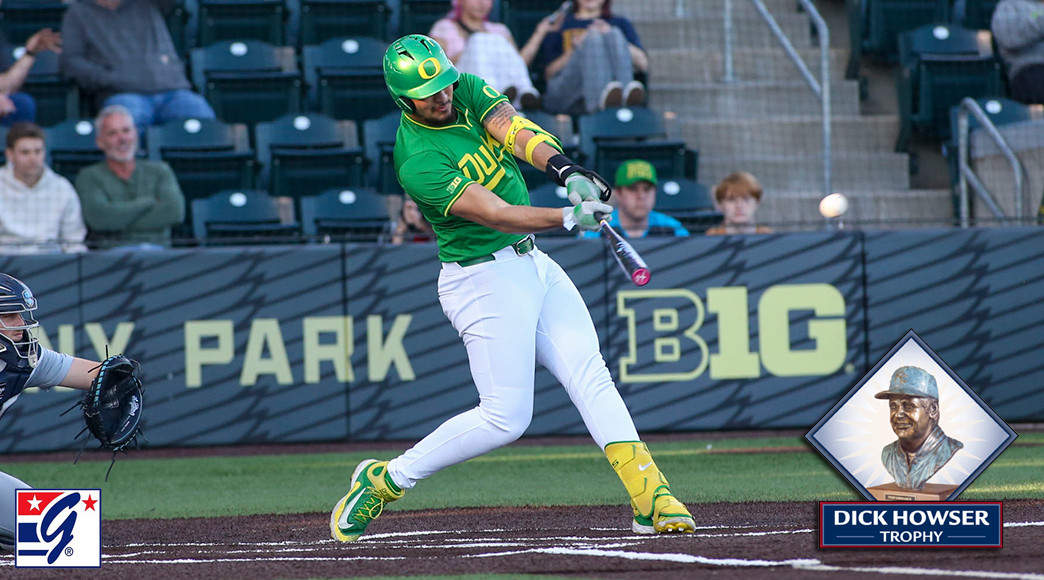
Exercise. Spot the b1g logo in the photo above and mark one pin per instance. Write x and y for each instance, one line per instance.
(58, 528)
(664, 343)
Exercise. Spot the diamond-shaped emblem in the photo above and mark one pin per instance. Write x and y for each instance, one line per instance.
(911, 429)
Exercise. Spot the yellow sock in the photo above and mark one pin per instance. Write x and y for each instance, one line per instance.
(635, 467)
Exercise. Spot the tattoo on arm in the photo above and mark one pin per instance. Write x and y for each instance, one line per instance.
(499, 119)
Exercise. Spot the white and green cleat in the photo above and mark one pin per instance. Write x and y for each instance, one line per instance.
(371, 489)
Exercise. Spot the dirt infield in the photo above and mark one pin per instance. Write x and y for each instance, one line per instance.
(777, 540)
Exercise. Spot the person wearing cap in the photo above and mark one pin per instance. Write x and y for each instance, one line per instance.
(922, 448)
(634, 190)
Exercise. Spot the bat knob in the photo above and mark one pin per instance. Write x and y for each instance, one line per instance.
(641, 277)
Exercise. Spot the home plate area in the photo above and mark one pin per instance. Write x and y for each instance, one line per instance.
(732, 541)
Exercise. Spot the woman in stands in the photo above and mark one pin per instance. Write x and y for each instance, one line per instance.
(591, 58)
(487, 49)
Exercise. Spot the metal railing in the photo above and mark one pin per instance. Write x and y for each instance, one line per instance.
(967, 175)
(821, 87)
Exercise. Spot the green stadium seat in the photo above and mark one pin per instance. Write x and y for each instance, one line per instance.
(21, 19)
(248, 81)
(418, 16)
(941, 65)
(177, 23)
(263, 20)
(71, 146)
(346, 80)
(308, 153)
(57, 99)
(379, 144)
(246, 217)
(689, 202)
(207, 156)
(322, 20)
(609, 137)
(340, 214)
(874, 26)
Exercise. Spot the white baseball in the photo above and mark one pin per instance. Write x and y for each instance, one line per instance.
(833, 205)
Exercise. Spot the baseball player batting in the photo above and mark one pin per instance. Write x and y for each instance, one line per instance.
(23, 364)
(511, 304)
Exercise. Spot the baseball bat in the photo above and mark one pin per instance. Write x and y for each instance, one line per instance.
(626, 256)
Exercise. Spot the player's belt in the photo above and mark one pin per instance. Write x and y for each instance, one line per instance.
(521, 247)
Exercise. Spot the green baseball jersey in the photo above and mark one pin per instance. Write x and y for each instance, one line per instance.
(435, 165)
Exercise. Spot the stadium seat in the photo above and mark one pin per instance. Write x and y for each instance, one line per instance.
(71, 147)
(418, 16)
(689, 202)
(22, 18)
(248, 81)
(57, 99)
(346, 80)
(874, 26)
(177, 23)
(206, 155)
(339, 214)
(308, 153)
(3, 139)
(379, 143)
(322, 20)
(940, 65)
(609, 137)
(263, 20)
(244, 218)
(1001, 112)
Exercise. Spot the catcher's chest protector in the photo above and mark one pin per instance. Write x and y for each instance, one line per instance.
(14, 373)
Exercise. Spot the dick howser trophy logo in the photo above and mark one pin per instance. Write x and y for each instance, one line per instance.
(911, 436)
(58, 528)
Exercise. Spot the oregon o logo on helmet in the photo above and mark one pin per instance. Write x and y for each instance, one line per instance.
(422, 70)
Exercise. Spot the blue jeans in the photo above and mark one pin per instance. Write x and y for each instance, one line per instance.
(159, 108)
(25, 110)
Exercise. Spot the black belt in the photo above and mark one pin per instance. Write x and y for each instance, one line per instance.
(521, 247)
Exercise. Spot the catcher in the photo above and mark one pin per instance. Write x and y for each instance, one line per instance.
(112, 404)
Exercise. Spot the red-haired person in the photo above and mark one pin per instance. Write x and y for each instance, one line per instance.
(737, 197)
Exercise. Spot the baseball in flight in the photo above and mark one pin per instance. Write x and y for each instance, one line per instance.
(833, 205)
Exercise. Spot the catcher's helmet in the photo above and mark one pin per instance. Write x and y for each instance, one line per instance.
(415, 67)
(17, 298)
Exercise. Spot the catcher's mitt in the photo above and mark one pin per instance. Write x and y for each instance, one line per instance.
(113, 404)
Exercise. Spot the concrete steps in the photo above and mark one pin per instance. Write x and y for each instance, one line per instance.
(749, 99)
(798, 135)
(858, 171)
(666, 31)
(871, 208)
(763, 64)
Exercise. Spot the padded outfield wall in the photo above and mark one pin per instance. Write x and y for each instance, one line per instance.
(348, 342)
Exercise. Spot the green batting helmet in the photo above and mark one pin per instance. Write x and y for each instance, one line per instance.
(415, 67)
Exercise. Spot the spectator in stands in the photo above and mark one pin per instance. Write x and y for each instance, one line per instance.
(487, 49)
(39, 209)
(127, 202)
(412, 227)
(16, 107)
(1018, 28)
(121, 51)
(590, 59)
(737, 197)
(634, 190)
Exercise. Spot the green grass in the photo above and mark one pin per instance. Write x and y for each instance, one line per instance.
(512, 476)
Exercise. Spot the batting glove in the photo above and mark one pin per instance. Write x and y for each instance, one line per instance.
(580, 188)
(560, 168)
(586, 214)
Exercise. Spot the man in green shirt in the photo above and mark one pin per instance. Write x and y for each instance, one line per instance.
(511, 303)
(127, 201)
